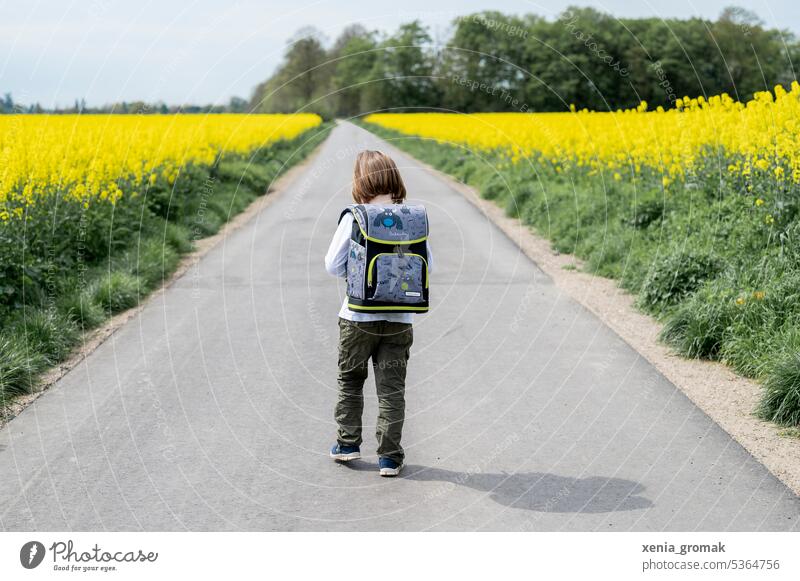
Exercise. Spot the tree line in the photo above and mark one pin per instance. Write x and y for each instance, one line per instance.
(234, 105)
(498, 62)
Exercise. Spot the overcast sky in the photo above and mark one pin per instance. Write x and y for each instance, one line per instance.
(203, 51)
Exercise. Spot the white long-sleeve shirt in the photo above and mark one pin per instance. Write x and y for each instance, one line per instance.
(336, 265)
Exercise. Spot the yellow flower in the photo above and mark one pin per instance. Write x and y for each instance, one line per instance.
(88, 159)
(740, 301)
(759, 202)
(757, 136)
(758, 295)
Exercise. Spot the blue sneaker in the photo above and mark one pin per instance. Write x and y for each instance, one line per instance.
(389, 467)
(345, 453)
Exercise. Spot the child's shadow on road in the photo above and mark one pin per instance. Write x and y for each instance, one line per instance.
(540, 492)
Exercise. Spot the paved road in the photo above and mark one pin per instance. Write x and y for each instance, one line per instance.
(212, 409)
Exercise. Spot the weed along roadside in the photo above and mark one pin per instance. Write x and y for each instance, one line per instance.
(90, 260)
(612, 248)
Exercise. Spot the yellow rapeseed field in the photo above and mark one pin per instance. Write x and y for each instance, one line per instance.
(91, 157)
(757, 138)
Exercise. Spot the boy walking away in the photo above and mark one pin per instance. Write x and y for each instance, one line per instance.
(381, 248)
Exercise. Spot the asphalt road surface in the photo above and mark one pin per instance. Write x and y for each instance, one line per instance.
(212, 409)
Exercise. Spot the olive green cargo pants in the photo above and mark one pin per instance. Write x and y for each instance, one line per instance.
(388, 345)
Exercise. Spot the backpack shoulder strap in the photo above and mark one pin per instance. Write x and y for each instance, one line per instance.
(359, 220)
(347, 210)
(359, 214)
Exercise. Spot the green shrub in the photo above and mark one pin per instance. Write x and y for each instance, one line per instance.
(244, 173)
(637, 263)
(606, 250)
(82, 310)
(229, 201)
(19, 368)
(466, 170)
(767, 314)
(780, 401)
(45, 332)
(204, 222)
(746, 348)
(176, 201)
(674, 277)
(520, 197)
(698, 327)
(117, 291)
(645, 213)
(177, 237)
(153, 262)
(495, 187)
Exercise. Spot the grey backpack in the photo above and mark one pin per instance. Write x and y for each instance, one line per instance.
(387, 263)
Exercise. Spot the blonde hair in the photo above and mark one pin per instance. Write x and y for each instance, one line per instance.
(376, 174)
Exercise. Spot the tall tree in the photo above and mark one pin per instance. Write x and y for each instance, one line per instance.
(354, 53)
(403, 70)
(486, 48)
(297, 81)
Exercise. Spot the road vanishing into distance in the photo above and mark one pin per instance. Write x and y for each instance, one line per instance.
(212, 409)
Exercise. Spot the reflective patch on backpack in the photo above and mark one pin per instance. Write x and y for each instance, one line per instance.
(356, 259)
